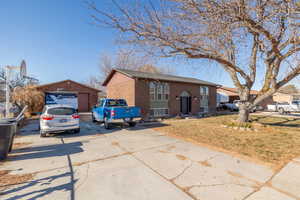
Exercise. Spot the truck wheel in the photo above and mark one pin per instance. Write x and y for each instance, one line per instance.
(77, 130)
(131, 124)
(93, 117)
(281, 111)
(106, 124)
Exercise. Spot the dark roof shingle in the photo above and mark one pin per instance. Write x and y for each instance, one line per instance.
(160, 77)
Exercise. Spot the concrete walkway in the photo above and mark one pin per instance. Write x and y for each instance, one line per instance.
(138, 164)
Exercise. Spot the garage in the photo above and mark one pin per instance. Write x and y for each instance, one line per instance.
(70, 92)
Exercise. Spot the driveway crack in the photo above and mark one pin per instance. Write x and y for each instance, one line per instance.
(183, 171)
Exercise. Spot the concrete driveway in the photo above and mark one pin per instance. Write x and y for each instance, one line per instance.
(138, 164)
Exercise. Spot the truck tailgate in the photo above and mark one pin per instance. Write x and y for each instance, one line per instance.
(126, 112)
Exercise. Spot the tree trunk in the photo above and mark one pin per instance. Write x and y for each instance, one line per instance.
(244, 105)
(243, 113)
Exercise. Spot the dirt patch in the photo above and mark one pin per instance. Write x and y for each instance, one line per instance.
(171, 147)
(13, 179)
(181, 157)
(18, 145)
(115, 144)
(235, 174)
(163, 151)
(205, 163)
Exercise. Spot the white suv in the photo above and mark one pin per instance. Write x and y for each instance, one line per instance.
(59, 118)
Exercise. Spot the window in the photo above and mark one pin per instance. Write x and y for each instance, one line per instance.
(100, 104)
(204, 94)
(159, 91)
(61, 111)
(152, 91)
(116, 102)
(203, 90)
(159, 112)
(159, 97)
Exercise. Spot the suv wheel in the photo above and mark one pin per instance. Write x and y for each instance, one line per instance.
(106, 124)
(43, 134)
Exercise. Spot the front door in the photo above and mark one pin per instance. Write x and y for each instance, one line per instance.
(185, 105)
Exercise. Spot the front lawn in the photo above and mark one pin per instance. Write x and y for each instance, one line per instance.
(276, 141)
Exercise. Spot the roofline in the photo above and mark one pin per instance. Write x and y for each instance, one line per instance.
(229, 90)
(83, 85)
(129, 75)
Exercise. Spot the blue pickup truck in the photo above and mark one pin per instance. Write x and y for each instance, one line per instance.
(109, 111)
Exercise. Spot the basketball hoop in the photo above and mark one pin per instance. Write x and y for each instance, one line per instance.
(23, 69)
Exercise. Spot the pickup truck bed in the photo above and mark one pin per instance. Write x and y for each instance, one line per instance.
(110, 111)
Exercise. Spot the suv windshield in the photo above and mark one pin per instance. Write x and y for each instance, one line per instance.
(61, 111)
(116, 102)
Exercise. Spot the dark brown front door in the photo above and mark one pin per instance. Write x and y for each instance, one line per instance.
(185, 105)
(83, 102)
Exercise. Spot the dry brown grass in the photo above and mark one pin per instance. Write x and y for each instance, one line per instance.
(13, 179)
(276, 141)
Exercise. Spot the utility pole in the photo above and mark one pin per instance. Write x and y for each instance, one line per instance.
(7, 91)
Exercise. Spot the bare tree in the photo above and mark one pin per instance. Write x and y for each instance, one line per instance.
(30, 96)
(124, 59)
(128, 59)
(245, 37)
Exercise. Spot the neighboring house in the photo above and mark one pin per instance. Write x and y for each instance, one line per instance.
(231, 94)
(87, 96)
(161, 95)
(281, 97)
(228, 95)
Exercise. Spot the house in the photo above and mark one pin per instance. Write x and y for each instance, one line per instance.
(282, 96)
(228, 95)
(231, 94)
(84, 96)
(161, 95)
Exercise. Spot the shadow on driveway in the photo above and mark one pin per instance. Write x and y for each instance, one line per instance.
(52, 150)
(63, 149)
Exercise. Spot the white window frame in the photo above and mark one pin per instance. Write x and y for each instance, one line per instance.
(204, 97)
(159, 112)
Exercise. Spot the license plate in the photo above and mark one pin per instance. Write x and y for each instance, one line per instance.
(127, 119)
(63, 120)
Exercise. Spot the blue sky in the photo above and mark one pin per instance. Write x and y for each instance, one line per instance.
(58, 42)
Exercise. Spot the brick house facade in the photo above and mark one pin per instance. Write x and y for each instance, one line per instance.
(160, 95)
(87, 96)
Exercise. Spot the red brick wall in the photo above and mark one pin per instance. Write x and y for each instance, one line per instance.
(142, 97)
(136, 93)
(212, 102)
(73, 87)
(121, 87)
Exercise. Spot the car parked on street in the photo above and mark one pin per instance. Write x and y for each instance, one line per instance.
(59, 118)
(109, 111)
